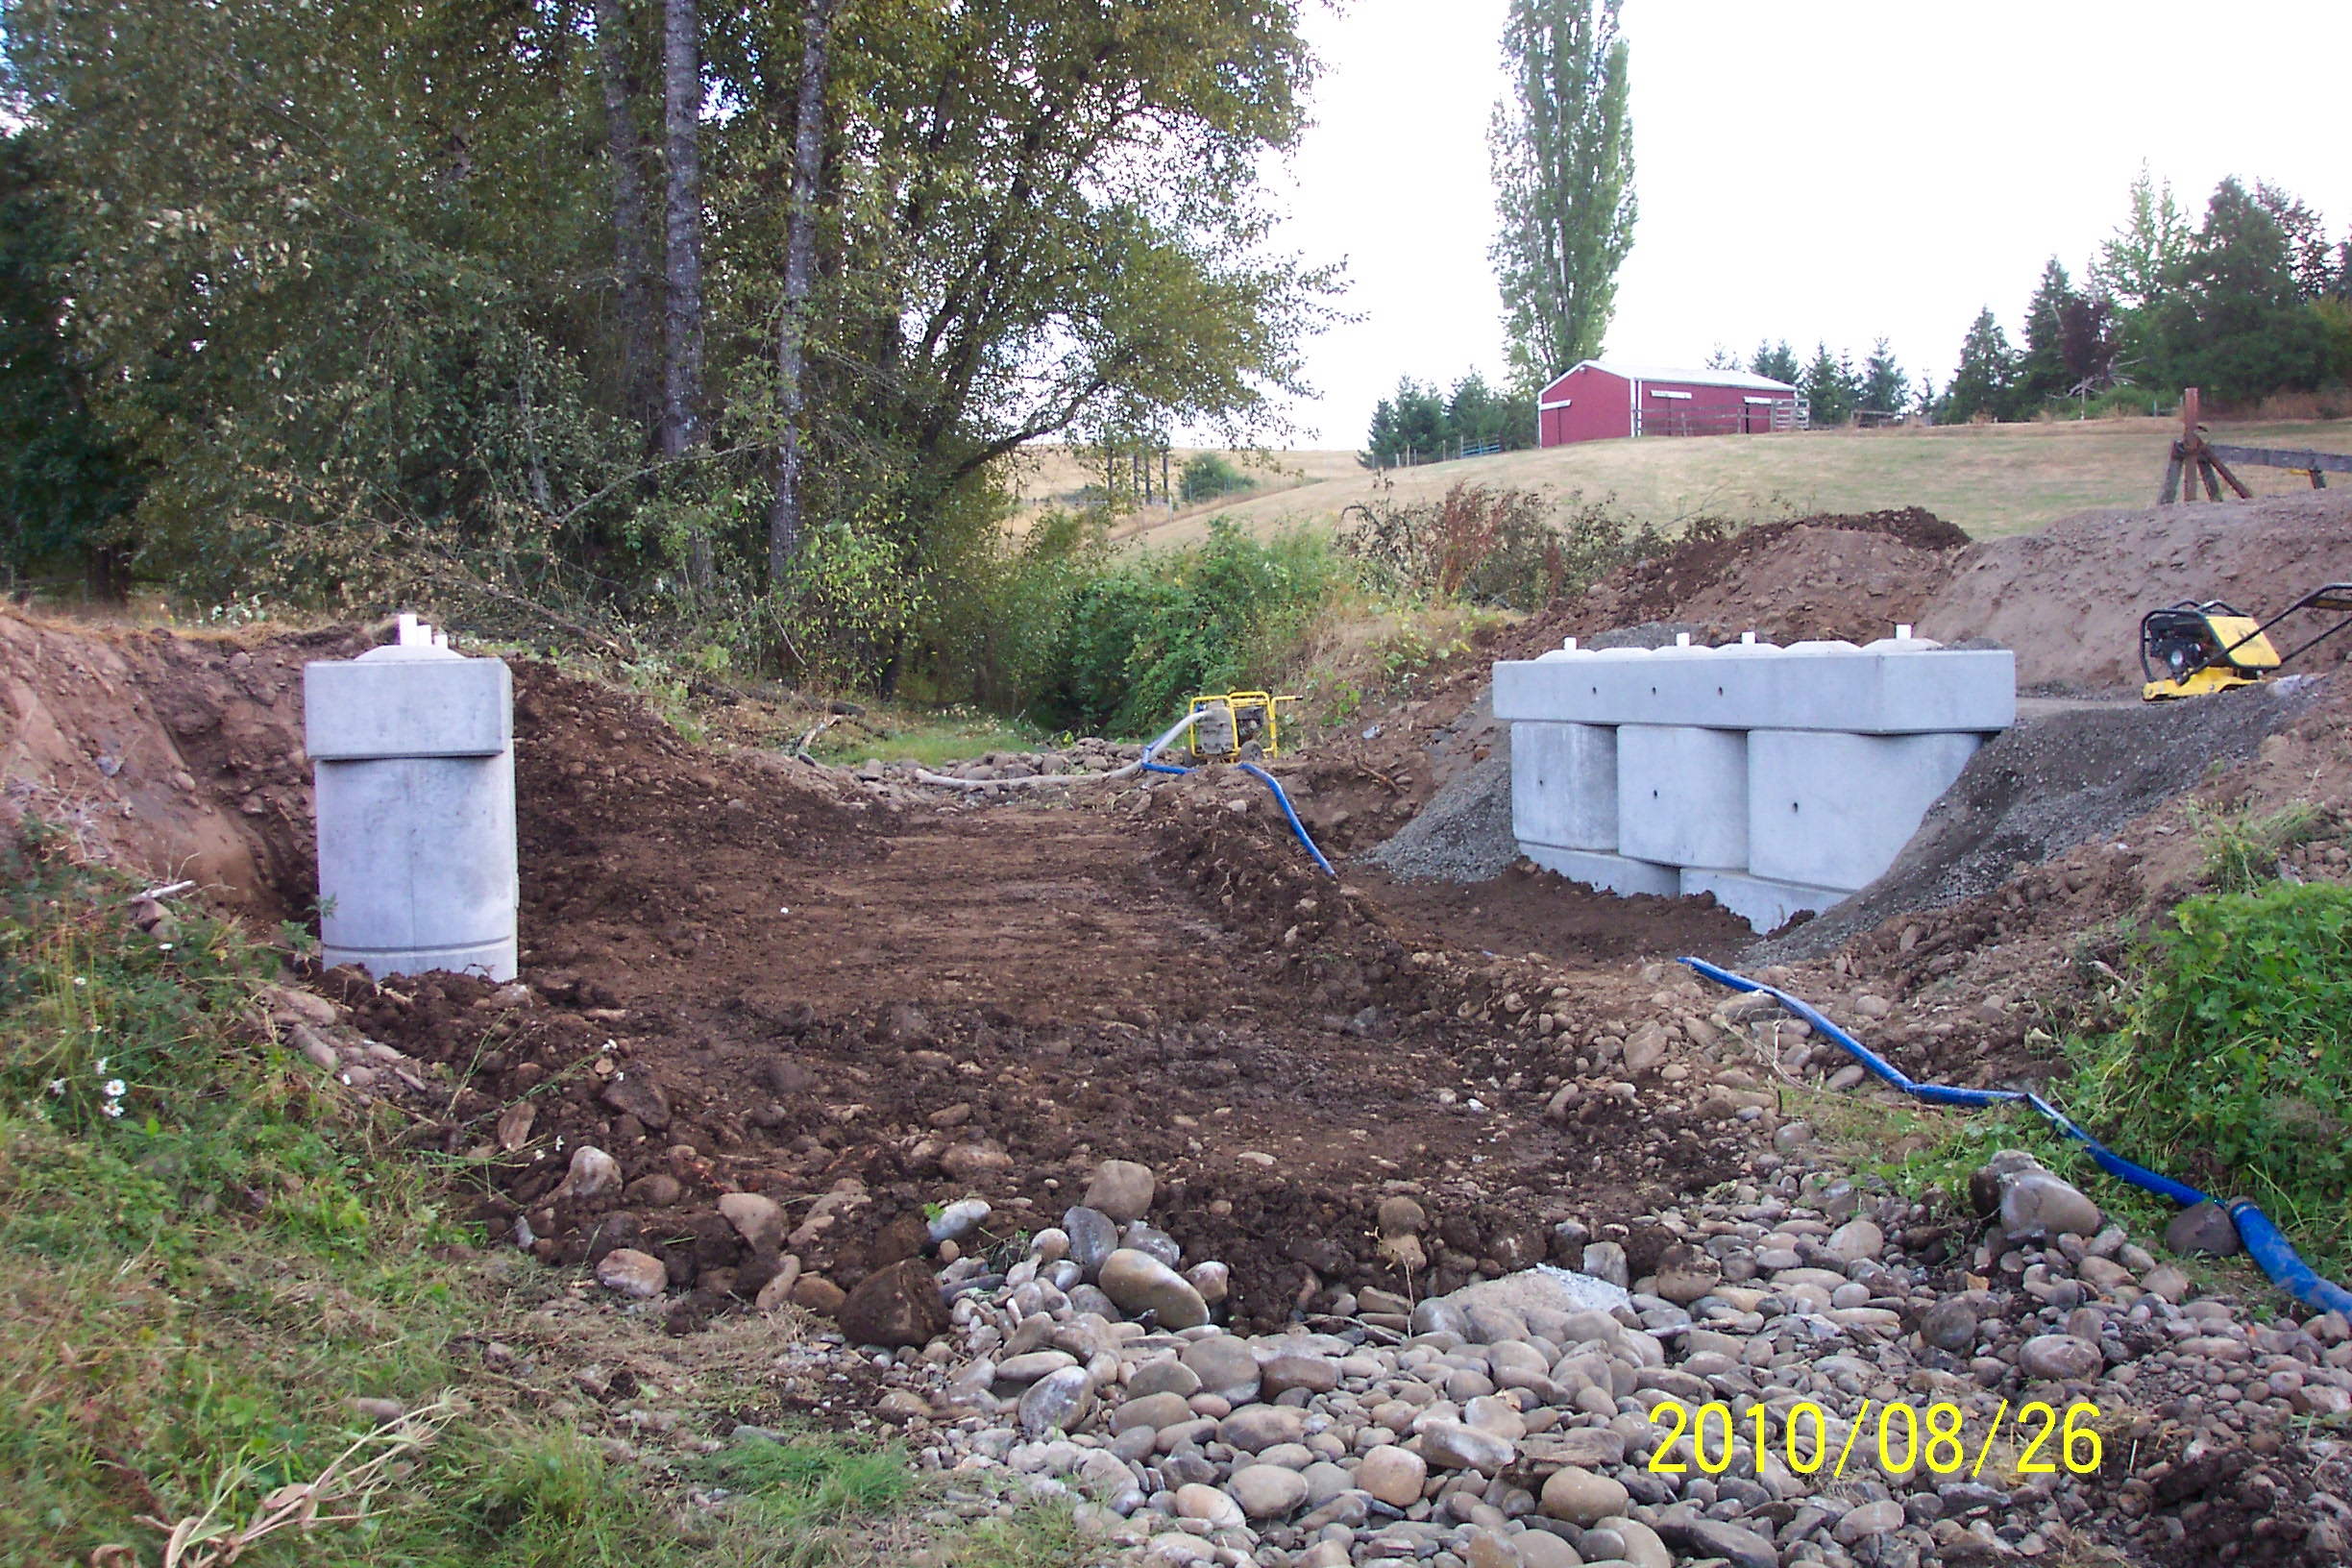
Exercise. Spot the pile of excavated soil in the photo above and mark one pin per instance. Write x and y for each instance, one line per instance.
(1830, 577)
(171, 755)
(2069, 599)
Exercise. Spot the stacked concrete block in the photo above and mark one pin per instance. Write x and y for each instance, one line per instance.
(413, 750)
(1778, 780)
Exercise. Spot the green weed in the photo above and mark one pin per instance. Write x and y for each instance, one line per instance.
(2242, 853)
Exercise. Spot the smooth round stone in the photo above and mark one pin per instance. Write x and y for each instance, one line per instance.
(1541, 1548)
(1582, 1498)
(1225, 1365)
(1870, 1519)
(1058, 1400)
(1092, 1238)
(1499, 1416)
(1050, 1245)
(1857, 1239)
(1152, 1411)
(1439, 1315)
(1285, 1370)
(632, 1273)
(1400, 1216)
(1393, 1475)
(1256, 1427)
(1268, 1491)
(2059, 1357)
(1212, 1279)
(1452, 1445)
(2037, 1203)
(1601, 1542)
(1120, 1188)
(1165, 1376)
(1195, 1501)
(1324, 1481)
(1949, 1325)
(1289, 1456)
(1030, 1367)
(1139, 1283)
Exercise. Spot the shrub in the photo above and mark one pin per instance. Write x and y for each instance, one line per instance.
(1505, 547)
(1208, 476)
(2234, 1070)
(1144, 636)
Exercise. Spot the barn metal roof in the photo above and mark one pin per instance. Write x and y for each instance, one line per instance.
(1697, 378)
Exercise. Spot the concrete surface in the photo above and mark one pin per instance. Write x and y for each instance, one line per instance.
(414, 756)
(1683, 795)
(1833, 810)
(1761, 901)
(1889, 688)
(1564, 785)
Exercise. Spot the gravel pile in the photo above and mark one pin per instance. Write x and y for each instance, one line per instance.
(1463, 834)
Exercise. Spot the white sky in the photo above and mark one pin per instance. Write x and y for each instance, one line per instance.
(1811, 170)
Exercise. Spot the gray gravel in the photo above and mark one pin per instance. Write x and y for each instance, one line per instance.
(1464, 833)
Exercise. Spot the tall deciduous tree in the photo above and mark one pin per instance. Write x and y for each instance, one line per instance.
(2237, 326)
(1562, 153)
(785, 509)
(625, 156)
(2136, 263)
(682, 226)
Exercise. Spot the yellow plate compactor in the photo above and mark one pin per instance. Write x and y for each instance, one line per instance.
(2209, 647)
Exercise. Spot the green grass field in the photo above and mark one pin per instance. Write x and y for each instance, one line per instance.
(1991, 479)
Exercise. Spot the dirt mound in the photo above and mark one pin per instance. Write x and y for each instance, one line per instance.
(1837, 576)
(168, 754)
(2069, 598)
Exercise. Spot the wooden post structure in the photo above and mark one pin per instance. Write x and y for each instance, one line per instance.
(2194, 460)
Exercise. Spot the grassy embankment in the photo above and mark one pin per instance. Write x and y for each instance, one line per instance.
(1991, 479)
(229, 1306)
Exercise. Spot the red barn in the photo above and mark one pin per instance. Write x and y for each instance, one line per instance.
(1596, 402)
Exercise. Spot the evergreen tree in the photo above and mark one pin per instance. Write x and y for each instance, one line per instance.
(1923, 404)
(2041, 369)
(2309, 255)
(2237, 326)
(1983, 384)
(1885, 389)
(1831, 387)
(1775, 362)
(1410, 427)
(1721, 358)
(2136, 263)
(1562, 156)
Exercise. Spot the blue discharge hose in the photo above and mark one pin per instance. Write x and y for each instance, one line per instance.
(2263, 1241)
(1280, 797)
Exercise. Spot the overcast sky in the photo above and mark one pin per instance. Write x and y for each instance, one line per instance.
(1817, 170)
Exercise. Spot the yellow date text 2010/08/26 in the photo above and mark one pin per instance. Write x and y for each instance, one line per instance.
(1907, 1438)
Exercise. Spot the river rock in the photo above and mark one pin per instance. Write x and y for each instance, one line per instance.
(1606, 1260)
(636, 1094)
(2035, 1203)
(1685, 1273)
(1455, 1445)
(2203, 1229)
(1949, 1325)
(1393, 1475)
(1058, 1400)
(1541, 1548)
(1120, 1190)
(1092, 1238)
(1195, 1501)
(2059, 1357)
(1212, 1279)
(1400, 1216)
(1857, 1239)
(1225, 1367)
(960, 1218)
(632, 1273)
(759, 1220)
(1165, 1376)
(1139, 1283)
(1860, 1524)
(1580, 1497)
(896, 1305)
(1253, 1428)
(1439, 1315)
(1289, 1370)
(592, 1174)
(1152, 1410)
(1736, 1544)
(1268, 1491)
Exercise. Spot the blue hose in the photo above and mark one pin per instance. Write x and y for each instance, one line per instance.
(1296, 827)
(2263, 1241)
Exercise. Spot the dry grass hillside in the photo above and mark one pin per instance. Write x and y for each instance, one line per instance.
(1991, 480)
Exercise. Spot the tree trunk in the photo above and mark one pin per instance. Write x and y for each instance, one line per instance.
(682, 236)
(784, 524)
(632, 263)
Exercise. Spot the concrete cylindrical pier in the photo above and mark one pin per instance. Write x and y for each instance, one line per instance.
(413, 750)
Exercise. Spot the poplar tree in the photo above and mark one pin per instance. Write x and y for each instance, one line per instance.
(1562, 153)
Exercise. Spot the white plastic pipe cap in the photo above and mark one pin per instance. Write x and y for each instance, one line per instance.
(1682, 639)
(1902, 631)
(1569, 644)
(1748, 639)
